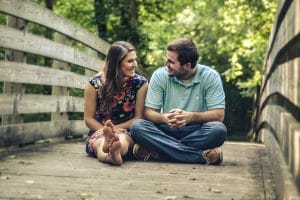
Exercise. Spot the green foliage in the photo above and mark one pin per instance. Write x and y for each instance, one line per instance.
(246, 28)
(76, 92)
(1, 87)
(231, 35)
(2, 54)
(36, 117)
(37, 89)
(2, 19)
(75, 116)
(79, 11)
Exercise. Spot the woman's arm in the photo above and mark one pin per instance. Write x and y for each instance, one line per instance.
(139, 107)
(90, 106)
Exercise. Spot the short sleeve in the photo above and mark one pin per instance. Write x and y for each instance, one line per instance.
(96, 82)
(214, 93)
(155, 93)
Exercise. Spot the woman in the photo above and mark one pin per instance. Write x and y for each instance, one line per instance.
(113, 99)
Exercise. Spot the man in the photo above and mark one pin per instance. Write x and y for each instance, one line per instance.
(184, 110)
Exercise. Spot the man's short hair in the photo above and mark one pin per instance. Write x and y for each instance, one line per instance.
(186, 50)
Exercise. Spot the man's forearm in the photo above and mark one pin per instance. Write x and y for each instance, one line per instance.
(155, 116)
(207, 116)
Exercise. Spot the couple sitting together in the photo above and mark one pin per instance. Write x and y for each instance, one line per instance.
(177, 118)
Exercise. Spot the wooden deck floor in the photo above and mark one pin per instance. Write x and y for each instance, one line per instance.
(63, 171)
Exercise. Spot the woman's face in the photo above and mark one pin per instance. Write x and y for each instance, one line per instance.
(129, 64)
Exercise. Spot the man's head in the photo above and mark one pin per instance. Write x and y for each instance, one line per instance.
(186, 50)
(182, 57)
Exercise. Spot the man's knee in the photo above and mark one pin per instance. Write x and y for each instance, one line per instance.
(136, 125)
(218, 128)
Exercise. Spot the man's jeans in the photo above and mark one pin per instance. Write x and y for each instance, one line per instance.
(184, 144)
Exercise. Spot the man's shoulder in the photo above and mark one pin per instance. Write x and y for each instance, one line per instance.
(206, 71)
(160, 73)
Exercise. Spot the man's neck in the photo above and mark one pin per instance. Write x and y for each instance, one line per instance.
(189, 74)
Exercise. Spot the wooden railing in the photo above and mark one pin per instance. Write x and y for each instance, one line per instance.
(277, 114)
(17, 74)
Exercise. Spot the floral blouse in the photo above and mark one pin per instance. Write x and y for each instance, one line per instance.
(123, 106)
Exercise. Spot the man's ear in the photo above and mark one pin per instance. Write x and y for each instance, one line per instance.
(188, 65)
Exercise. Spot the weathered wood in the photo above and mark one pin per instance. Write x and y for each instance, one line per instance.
(25, 73)
(31, 103)
(278, 108)
(26, 42)
(58, 90)
(10, 87)
(63, 171)
(284, 182)
(287, 32)
(30, 132)
(285, 129)
(30, 11)
(284, 80)
(282, 7)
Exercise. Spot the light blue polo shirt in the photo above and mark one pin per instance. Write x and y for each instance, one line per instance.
(201, 93)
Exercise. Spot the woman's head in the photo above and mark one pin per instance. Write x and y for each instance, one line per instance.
(120, 55)
(119, 66)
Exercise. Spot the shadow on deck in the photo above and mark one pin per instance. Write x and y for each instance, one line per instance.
(63, 171)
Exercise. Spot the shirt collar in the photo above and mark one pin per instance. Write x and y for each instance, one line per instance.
(195, 79)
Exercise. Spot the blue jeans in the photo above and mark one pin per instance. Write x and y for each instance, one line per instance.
(184, 144)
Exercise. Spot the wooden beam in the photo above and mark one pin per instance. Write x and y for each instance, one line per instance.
(25, 73)
(34, 103)
(26, 42)
(30, 11)
(17, 134)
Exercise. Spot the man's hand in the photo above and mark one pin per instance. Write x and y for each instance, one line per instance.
(177, 118)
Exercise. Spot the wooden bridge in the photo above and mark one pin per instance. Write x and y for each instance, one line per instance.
(46, 159)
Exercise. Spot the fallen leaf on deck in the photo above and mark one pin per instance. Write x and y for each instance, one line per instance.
(11, 156)
(214, 190)
(25, 162)
(87, 196)
(187, 197)
(29, 181)
(170, 198)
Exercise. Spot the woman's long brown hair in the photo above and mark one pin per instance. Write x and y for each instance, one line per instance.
(112, 74)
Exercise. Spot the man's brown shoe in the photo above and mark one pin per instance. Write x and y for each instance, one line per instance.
(141, 153)
(213, 156)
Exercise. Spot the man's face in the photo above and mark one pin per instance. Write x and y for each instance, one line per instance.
(173, 65)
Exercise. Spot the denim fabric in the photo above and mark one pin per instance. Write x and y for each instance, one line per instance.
(184, 144)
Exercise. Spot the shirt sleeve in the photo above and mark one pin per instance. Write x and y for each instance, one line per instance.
(155, 93)
(214, 93)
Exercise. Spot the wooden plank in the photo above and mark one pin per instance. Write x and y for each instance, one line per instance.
(26, 42)
(282, 7)
(284, 181)
(287, 130)
(31, 103)
(30, 132)
(287, 32)
(25, 73)
(58, 90)
(73, 175)
(285, 81)
(10, 87)
(30, 11)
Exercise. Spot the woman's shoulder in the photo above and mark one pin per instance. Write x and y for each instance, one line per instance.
(139, 78)
(96, 80)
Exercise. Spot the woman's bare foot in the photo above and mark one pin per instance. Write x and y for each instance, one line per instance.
(115, 151)
(109, 134)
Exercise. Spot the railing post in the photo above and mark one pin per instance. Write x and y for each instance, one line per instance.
(9, 87)
(57, 90)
